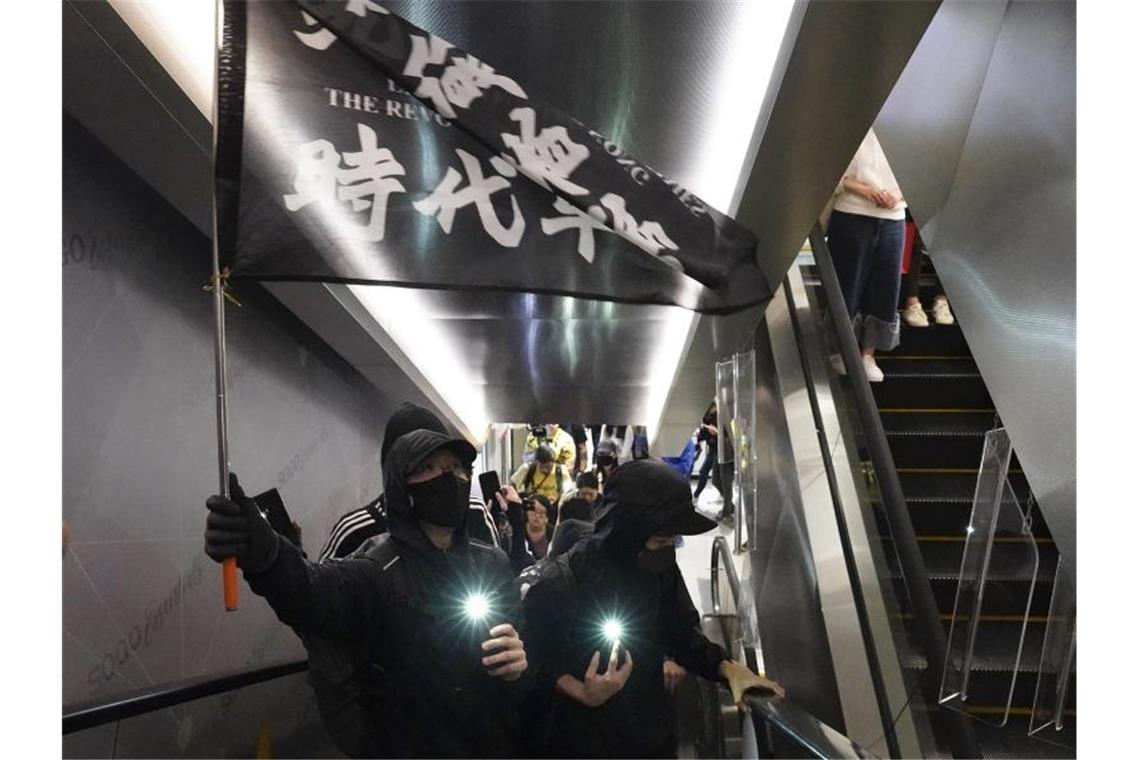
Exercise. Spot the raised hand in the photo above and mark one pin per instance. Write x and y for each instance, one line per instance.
(598, 688)
(510, 661)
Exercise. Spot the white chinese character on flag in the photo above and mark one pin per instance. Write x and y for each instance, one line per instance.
(648, 236)
(365, 182)
(575, 218)
(548, 157)
(322, 38)
(460, 83)
(445, 200)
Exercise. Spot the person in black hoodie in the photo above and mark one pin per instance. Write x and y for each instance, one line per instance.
(620, 594)
(435, 613)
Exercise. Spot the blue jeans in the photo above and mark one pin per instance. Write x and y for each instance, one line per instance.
(706, 467)
(867, 253)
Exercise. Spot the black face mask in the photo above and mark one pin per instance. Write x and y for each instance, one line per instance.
(605, 463)
(655, 561)
(440, 501)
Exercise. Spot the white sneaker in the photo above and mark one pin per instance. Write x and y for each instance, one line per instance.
(914, 316)
(942, 315)
(874, 374)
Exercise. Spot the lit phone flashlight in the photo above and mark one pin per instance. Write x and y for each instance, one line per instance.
(612, 632)
(476, 607)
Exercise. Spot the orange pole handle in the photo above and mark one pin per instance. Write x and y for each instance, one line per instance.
(230, 584)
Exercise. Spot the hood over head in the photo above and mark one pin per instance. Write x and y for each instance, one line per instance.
(568, 533)
(407, 452)
(644, 498)
(407, 418)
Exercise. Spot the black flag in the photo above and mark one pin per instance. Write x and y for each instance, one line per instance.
(355, 147)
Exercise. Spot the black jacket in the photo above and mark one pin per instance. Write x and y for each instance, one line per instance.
(400, 604)
(567, 606)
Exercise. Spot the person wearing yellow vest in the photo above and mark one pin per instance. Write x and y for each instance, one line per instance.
(561, 442)
(543, 476)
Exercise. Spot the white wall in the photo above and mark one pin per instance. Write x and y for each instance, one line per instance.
(142, 603)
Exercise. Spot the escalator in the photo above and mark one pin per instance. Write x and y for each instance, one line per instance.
(935, 412)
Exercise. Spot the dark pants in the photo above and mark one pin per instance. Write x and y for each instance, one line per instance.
(867, 253)
(722, 479)
(706, 467)
(910, 279)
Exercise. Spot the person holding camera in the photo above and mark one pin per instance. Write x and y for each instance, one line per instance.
(544, 476)
(434, 613)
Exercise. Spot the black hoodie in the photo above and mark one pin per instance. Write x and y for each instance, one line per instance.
(596, 580)
(401, 605)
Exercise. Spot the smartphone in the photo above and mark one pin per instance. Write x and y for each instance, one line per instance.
(604, 659)
(273, 507)
(489, 483)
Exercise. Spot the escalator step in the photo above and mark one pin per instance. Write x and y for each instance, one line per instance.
(919, 449)
(1005, 598)
(957, 485)
(946, 518)
(955, 422)
(904, 390)
(936, 340)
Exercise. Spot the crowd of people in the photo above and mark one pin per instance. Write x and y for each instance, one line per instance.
(550, 620)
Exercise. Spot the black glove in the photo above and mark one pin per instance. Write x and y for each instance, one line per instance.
(235, 527)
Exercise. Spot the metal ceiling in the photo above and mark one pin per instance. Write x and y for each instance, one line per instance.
(652, 76)
(648, 75)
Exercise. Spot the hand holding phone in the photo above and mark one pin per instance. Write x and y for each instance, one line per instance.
(489, 484)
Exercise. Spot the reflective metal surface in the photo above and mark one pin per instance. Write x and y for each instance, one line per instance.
(826, 89)
(644, 74)
(924, 123)
(840, 611)
(786, 579)
(1004, 238)
(648, 75)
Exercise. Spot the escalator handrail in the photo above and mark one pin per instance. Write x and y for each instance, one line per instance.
(928, 623)
(153, 698)
(800, 727)
(720, 550)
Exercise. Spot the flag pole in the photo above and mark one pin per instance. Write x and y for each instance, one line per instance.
(229, 566)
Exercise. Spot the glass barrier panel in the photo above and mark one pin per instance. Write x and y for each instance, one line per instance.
(743, 441)
(725, 383)
(1055, 697)
(995, 590)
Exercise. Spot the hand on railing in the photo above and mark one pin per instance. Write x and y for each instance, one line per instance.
(741, 679)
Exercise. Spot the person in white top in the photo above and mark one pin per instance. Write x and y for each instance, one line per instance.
(866, 235)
